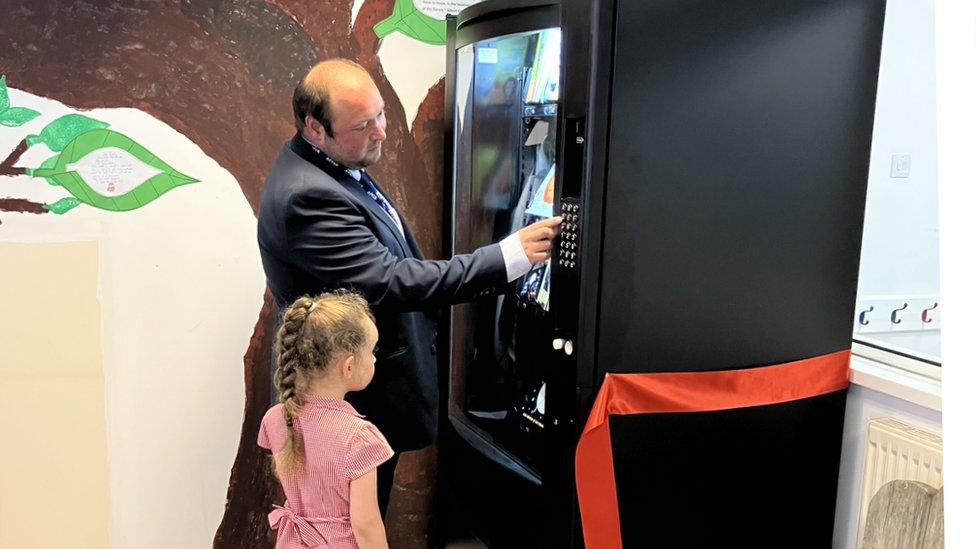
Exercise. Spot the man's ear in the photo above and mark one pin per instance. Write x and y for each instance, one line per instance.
(314, 127)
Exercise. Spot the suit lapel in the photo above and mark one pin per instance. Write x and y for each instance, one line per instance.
(411, 241)
(305, 150)
(378, 211)
(406, 238)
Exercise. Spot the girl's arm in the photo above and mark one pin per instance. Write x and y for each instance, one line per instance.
(364, 513)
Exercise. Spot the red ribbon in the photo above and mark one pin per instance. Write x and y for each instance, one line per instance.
(682, 392)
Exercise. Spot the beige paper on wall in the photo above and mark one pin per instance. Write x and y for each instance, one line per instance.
(53, 463)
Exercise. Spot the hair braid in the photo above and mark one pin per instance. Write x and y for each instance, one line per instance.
(290, 381)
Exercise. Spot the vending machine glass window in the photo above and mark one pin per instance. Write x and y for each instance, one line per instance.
(504, 179)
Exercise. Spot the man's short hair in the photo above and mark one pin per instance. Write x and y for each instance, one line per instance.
(313, 98)
(310, 101)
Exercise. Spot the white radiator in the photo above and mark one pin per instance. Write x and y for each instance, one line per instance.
(897, 451)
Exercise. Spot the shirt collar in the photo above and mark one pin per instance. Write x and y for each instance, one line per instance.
(355, 174)
(327, 403)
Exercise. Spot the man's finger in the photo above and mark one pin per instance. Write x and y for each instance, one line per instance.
(542, 234)
(550, 223)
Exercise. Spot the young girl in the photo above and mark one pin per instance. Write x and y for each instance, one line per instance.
(325, 453)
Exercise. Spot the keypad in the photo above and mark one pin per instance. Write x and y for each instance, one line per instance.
(569, 233)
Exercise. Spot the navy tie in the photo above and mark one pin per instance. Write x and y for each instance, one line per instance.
(369, 187)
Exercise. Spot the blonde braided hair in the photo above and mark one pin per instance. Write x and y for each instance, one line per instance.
(314, 334)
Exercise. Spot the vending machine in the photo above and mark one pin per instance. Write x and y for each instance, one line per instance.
(675, 375)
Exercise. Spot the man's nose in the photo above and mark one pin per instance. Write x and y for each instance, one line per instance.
(379, 134)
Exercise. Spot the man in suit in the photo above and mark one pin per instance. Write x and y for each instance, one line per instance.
(324, 223)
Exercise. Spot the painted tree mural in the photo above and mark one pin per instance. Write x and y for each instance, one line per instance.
(222, 72)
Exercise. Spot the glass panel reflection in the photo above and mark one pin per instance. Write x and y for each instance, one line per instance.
(507, 89)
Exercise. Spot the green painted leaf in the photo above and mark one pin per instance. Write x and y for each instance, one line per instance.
(50, 162)
(108, 170)
(63, 130)
(4, 98)
(414, 23)
(17, 116)
(62, 206)
(46, 165)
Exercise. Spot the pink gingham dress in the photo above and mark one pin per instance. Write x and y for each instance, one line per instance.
(340, 446)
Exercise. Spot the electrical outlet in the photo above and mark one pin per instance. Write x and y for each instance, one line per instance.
(901, 165)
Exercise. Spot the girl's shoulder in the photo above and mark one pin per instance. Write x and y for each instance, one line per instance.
(274, 414)
(369, 435)
(368, 429)
(367, 449)
(272, 427)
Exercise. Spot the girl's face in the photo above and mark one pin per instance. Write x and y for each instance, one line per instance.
(365, 362)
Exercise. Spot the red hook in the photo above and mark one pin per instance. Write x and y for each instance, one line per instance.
(925, 313)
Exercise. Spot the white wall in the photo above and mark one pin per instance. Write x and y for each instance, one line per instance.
(901, 224)
(956, 88)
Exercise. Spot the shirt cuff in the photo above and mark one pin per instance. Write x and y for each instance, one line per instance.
(516, 262)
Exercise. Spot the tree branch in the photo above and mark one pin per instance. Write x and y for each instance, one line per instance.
(371, 13)
(7, 166)
(21, 205)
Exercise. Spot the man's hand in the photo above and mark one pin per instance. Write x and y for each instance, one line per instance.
(537, 238)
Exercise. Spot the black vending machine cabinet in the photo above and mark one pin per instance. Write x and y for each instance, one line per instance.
(710, 161)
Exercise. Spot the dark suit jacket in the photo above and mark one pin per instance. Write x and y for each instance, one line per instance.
(318, 230)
